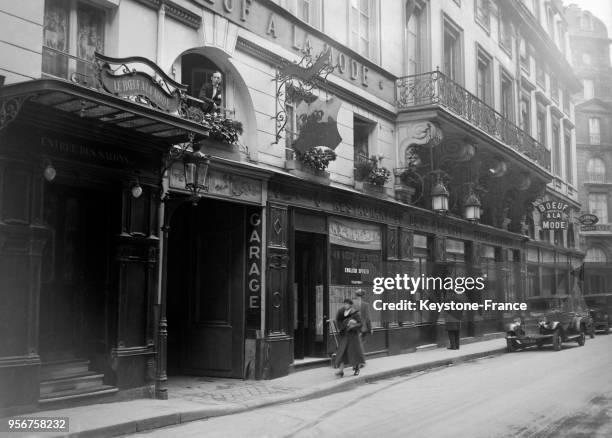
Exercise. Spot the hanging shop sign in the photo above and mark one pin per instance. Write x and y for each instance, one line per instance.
(553, 215)
(140, 80)
(588, 219)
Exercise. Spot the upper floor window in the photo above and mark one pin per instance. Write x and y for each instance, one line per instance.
(556, 152)
(482, 13)
(526, 113)
(594, 131)
(598, 205)
(416, 30)
(586, 58)
(484, 89)
(363, 29)
(507, 97)
(309, 11)
(588, 88)
(505, 33)
(596, 170)
(554, 88)
(524, 54)
(569, 169)
(72, 33)
(541, 125)
(452, 57)
(536, 9)
(540, 75)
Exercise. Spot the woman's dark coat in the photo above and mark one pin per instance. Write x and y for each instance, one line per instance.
(350, 349)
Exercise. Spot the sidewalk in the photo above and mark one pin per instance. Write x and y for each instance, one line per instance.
(195, 398)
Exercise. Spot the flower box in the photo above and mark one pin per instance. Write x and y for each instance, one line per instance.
(297, 168)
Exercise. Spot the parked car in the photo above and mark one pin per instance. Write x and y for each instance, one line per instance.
(539, 329)
(600, 320)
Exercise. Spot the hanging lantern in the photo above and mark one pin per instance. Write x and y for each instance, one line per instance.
(472, 208)
(196, 169)
(439, 197)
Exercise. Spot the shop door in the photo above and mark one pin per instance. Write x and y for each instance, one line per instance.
(74, 273)
(310, 295)
(206, 272)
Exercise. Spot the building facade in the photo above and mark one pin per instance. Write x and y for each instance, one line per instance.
(378, 138)
(590, 46)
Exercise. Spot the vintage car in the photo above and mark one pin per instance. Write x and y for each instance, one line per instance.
(539, 329)
(600, 321)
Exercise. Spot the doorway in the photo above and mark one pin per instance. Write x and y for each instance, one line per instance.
(206, 287)
(74, 273)
(310, 305)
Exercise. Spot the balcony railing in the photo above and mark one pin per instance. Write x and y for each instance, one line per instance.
(435, 88)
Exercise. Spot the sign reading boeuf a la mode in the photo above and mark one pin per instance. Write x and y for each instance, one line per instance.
(553, 215)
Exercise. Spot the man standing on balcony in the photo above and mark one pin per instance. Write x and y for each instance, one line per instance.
(211, 94)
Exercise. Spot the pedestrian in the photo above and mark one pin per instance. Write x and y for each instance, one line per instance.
(452, 324)
(364, 311)
(211, 94)
(350, 349)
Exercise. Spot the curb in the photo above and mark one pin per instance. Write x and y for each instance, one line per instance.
(174, 419)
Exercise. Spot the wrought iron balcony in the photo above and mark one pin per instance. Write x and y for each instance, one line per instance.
(435, 88)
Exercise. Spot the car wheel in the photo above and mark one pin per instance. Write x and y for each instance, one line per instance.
(510, 348)
(581, 339)
(539, 345)
(557, 343)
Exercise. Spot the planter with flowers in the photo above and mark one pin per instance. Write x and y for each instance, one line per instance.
(311, 164)
(223, 136)
(370, 176)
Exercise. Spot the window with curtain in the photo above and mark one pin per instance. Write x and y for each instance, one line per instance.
(596, 170)
(505, 33)
(541, 125)
(67, 49)
(594, 131)
(524, 54)
(598, 205)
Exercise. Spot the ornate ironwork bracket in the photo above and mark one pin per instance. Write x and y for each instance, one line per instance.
(303, 76)
(9, 109)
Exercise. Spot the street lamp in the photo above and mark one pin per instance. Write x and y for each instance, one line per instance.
(196, 169)
(472, 207)
(439, 196)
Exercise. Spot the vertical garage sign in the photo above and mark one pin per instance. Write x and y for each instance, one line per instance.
(253, 266)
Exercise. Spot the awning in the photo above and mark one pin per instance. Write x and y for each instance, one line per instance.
(62, 105)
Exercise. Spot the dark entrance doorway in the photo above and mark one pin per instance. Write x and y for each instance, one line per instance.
(206, 284)
(75, 273)
(310, 295)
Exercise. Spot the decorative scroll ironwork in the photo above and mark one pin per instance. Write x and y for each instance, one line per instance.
(303, 76)
(9, 109)
(435, 88)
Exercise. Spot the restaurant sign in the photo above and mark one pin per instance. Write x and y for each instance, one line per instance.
(553, 215)
(140, 80)
(588, 219)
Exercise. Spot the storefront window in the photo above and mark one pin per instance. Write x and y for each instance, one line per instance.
(356, 259)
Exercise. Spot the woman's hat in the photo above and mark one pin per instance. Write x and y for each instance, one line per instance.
(360, 292)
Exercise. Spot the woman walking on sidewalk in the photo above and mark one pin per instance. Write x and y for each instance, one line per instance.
(350, 349)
